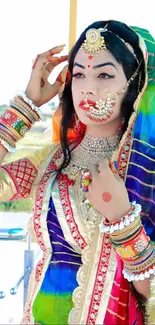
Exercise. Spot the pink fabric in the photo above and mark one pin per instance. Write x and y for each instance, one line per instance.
(122, 307)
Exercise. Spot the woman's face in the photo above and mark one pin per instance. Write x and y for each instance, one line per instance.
(94, 78)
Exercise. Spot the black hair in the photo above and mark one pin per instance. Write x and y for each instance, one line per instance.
(115, 31)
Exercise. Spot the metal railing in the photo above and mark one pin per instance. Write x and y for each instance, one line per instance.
(19, 234)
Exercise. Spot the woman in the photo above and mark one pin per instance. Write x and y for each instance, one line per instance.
(98, 261)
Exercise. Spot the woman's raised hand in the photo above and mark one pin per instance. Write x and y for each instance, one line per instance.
(107, 192)
(39, 90)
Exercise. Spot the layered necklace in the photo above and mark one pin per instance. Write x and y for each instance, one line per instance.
(92, 149)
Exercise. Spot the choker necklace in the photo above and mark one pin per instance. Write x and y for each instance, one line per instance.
(92, 149)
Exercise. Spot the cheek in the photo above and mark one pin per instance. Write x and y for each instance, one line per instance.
(74, 95)
(117, 110)
(75, 92)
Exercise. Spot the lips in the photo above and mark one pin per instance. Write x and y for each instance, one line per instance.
(85, 105)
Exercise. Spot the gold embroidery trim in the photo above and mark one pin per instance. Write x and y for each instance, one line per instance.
(148, 40)
(145, 143)
(51, 231)
(57, 262)
(142, 154)
(55, 242)
(139, 166)
(64, 253)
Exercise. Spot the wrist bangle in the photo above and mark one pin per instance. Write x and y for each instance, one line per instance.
(29, 101)
(110, 227)
(7, 146)
(146, 274)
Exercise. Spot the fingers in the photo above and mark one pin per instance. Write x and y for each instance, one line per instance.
(94, 175)
(43, 59)
(50, 91)
(54, 50)
(114, 169)
(103, 166)
(108, 169)
(104, 169)
(54, 61)
(94, 171)
(48, 68)
(118, 178)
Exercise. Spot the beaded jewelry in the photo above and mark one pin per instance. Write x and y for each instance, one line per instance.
(85, 180)
(110, 227)
(17, 120)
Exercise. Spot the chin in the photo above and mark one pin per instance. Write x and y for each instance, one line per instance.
(88, 122)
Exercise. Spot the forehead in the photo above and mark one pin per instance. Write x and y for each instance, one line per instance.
(105, 56)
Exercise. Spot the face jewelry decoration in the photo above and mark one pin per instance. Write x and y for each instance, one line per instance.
(85, 180)
(94, 44)
(103, 110)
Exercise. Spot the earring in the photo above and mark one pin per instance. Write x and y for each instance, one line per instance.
(122, 124)
(78, 126)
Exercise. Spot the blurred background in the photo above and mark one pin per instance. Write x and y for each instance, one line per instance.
(26, 29)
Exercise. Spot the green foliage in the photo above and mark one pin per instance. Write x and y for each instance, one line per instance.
(23, 205)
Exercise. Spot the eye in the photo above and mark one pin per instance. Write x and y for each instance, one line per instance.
(78, 75)
(104, 75)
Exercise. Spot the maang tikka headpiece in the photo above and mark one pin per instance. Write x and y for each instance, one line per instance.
(94, 43)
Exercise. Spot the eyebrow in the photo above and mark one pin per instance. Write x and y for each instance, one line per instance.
(104, 64)
(78, 65)
(96, 66)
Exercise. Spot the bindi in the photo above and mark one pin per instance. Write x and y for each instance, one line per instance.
(106, 197)
(89, 58)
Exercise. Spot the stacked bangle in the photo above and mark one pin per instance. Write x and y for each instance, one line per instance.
(21, 103)
(7, 139)
(132, 244)
(29, 102)
(133, 247)
(16, 121)
(127, 233)
(21, 110)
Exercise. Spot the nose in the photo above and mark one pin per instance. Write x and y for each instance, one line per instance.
(88, 92)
